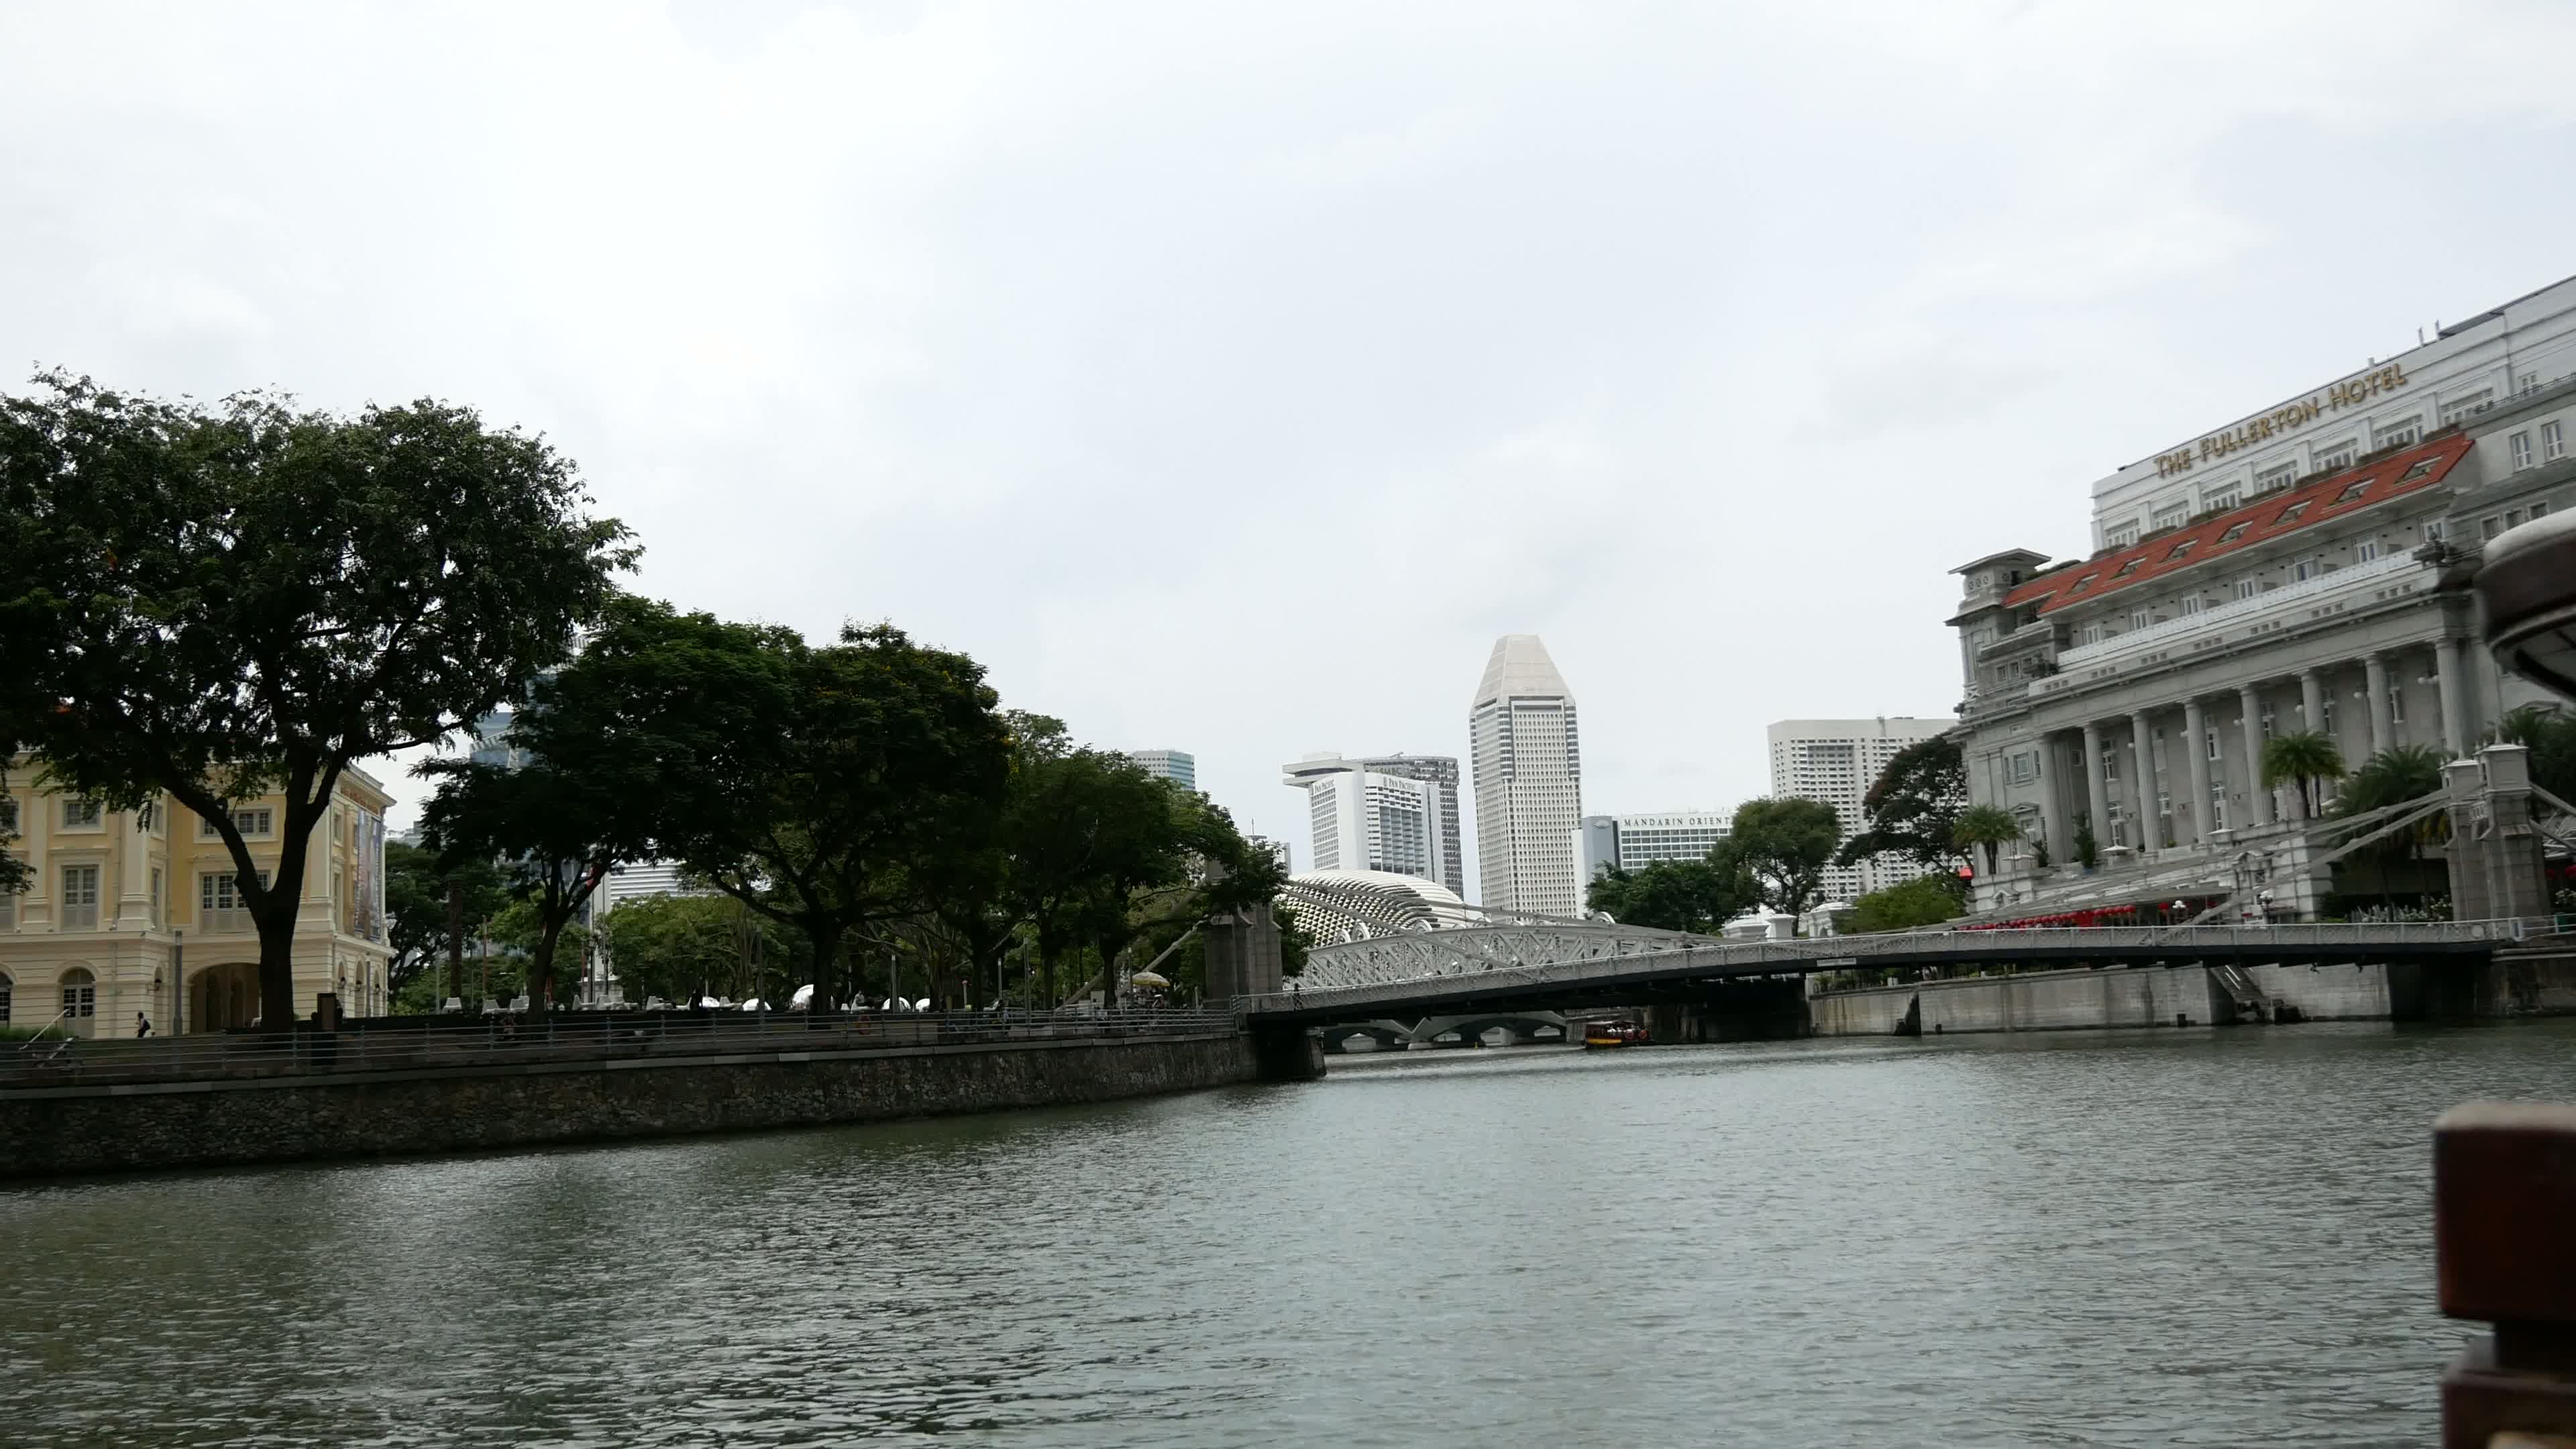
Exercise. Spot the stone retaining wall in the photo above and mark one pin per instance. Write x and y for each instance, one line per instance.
(54, 1130)
(2160, 996)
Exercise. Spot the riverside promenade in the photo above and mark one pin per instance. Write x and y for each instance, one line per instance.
(439, 1084)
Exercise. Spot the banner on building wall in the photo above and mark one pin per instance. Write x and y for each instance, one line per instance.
(368, 888)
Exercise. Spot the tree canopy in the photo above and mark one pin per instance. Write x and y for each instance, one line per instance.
(634, 744)
(2306, 759)
(882, 774)
(1986, 828)
(1785, 845)
(1924, 901)
(1913, 807)
(223, 601)
(416, 887)
(1675, 895)
(2550, 735)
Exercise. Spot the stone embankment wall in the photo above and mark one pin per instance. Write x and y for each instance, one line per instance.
(53, 1130)
(2522, 985)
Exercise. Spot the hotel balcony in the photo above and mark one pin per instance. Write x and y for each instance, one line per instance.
(2361, 588)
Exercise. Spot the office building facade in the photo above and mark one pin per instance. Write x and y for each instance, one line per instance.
(1364, 820)
(1178, 766)
(1527, 756)
(1836, 761)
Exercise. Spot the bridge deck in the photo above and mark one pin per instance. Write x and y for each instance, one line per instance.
(1453, 971)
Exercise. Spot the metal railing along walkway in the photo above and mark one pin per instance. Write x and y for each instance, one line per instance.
(1422, 967)
(438, 1043)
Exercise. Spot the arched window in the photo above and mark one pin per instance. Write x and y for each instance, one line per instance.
(80, 998)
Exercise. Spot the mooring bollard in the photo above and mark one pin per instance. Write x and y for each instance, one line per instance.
(2504, 1203)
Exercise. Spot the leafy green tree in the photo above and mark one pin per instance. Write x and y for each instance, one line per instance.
(1785, 845)
(1295, 943)
(220, 602)
(1924, 901)
(1674, 895)
(15, 874)
(886, 766)
(2304, 758)
(681, 947)
(416, 890)
(1987, 828)
(631, 745)
(1913, 807)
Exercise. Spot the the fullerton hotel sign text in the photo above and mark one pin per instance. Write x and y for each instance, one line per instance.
(2350, 393)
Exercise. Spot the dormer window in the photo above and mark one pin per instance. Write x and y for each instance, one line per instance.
(2128, 568)
(2291, 513)
(2082, 584)
(2235, 531)
(2353, 490)
(2418, 471)
(2180, 549)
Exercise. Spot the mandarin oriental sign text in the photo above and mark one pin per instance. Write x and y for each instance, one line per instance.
(2351, 393)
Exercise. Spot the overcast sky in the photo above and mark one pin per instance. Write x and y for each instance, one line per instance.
(1228, 377)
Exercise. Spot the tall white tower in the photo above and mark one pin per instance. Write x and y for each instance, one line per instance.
(1529, 781)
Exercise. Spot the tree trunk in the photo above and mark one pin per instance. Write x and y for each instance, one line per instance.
(826, 936)
(455, 941)
(276, 969)
(541, 969)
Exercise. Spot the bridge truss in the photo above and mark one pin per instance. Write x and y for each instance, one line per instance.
(1537, 941)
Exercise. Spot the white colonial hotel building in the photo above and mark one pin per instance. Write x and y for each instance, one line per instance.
(2300, 568)
(135, 913)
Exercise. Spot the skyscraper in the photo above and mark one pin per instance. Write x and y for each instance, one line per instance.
(1366, 819)
(1836, 761)
(1529, 781)
(1440, 770)
(1178, 766)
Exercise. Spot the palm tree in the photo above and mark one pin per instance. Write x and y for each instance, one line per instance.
(2393, 776)
(1985, 825)
(2304, 758)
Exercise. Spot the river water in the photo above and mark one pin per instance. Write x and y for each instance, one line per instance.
(2183, 1237)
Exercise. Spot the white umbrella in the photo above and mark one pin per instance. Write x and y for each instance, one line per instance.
(1149, 978)
(755, 1004)
(803, 999)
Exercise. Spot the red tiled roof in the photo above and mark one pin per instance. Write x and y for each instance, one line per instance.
(2271, 517)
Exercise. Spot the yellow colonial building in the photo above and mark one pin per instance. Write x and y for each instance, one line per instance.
(133, 914)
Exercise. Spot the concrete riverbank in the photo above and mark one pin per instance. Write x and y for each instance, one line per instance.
(2190, 995)
(113, 1126)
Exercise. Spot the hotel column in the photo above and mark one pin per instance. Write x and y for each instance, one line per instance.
(2052, 803)
(2195, 727)
(2312, 701)
(2151, 830)
(2382, 728)
(2258, 796)
(2096, 804)
(2455, 710)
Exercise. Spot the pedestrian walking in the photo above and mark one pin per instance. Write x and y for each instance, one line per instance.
(142, 1025)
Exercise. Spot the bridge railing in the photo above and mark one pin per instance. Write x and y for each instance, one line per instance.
(1405, 966)
(379, 1044)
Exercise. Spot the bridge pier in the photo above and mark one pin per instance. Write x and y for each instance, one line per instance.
(1287, 1053)
(1757, 1009)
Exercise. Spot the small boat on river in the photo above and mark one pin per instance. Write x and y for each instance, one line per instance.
(1608, 1035)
